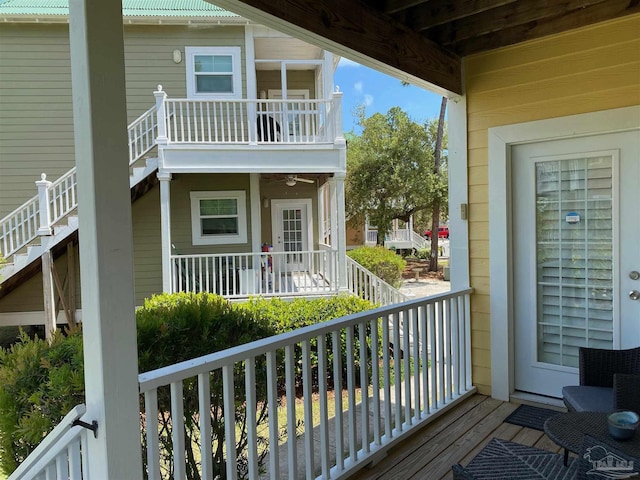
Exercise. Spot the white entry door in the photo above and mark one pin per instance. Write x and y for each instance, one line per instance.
(576, 246)
(292, 231)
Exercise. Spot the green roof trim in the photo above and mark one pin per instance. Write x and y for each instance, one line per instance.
(130, 8)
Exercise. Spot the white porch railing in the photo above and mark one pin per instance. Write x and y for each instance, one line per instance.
(142, 134)
(258, 273)
(57, 199)
(363, 283)
(389, 388)
(61, 455)
(372, 237)
(249, 121)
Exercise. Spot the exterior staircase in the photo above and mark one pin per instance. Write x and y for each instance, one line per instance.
(50, 218)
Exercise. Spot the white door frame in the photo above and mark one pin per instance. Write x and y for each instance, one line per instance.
(500, 262)
(275, 227)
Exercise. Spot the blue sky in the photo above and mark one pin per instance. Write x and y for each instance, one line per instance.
(379, 92)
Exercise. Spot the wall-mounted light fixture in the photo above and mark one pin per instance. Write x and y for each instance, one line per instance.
(177, 56)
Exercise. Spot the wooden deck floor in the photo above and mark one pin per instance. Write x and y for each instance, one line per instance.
(455, 437)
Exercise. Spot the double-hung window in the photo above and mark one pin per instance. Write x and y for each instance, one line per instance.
(213, 72)
(218, 217)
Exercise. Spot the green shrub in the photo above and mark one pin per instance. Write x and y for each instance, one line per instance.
(290, 315)
(382, 262)
(176, 327)
(423, 253)
(40, 384)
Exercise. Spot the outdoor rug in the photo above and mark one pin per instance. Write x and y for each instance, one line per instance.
(530, 417)
(504, 460)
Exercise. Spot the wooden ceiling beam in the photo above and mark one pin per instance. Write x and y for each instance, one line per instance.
(562, 22)
(361, 33)
(437, 12)
(393, 6)
(504, 18)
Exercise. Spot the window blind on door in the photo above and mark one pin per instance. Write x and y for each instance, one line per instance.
(574, 257)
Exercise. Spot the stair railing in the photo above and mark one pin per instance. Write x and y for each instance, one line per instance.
(55, 200)
(60, 456)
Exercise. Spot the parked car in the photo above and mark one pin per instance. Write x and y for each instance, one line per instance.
(443, 232)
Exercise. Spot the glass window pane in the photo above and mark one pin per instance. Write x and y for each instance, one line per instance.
(223, 64)
(574, 244)
(214, 83)
(219, 206)
(219, 226)
(203, 63)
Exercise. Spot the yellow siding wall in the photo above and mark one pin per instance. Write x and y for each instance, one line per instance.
(590, 69)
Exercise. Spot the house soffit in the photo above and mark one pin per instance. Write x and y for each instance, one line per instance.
(423, 41)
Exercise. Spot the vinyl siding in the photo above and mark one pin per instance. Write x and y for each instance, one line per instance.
(181, 187)
(147, 248)
(29, 297)
(36, 121)
(585, 70)
(36, 112)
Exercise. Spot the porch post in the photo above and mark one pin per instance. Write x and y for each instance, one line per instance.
(43, 205)
(161, 115)
(341, 234)
(49, 303)
(165, 229)
(106, 246)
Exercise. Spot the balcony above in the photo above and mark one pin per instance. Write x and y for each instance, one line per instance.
(239, 135)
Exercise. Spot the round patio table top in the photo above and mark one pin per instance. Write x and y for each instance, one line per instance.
(568, 429)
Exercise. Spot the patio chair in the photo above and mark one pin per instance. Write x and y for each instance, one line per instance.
(609, 380)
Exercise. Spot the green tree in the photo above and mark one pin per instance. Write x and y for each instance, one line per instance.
(391, 170)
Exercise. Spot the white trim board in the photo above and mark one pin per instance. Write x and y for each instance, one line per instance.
(500, 266)
(16, 319)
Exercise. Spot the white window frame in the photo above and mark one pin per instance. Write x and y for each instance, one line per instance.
(196, 233)
(234, 52)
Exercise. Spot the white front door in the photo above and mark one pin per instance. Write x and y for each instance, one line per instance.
(292, 232)
(576, 246)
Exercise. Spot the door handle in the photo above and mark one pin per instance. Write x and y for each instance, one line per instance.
(634, 295)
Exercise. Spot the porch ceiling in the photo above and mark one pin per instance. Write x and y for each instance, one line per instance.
(422, 41)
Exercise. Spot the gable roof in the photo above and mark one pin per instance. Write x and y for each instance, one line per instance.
(130, 8)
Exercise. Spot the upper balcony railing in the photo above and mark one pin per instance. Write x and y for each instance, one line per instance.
(249, 122)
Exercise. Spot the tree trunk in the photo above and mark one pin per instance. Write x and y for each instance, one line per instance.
(435, 217)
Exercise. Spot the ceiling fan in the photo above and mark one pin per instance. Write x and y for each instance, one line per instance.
(291, 180)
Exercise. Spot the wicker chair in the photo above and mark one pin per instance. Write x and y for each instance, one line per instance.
(609, 380)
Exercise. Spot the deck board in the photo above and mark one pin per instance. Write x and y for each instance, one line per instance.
(455, 437)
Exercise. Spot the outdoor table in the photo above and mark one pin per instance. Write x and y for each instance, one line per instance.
(568, 429)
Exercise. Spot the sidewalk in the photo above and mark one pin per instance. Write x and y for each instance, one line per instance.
(424, 287)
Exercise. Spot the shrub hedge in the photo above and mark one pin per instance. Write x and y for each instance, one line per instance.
(42, 382)
(383, 262)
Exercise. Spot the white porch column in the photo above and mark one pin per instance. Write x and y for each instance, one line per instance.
(165, 228)
(341, 228)
(106, 248)
(458, 196)
(256, 204)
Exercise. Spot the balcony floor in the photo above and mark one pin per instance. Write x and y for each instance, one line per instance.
(454, 437)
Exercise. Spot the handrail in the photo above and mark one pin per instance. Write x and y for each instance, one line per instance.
(20, 227)
(63, 196)
(413, 358)
(237, 275)
(63, 447)
(364, 283)
(142, 134)
(247, 121)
